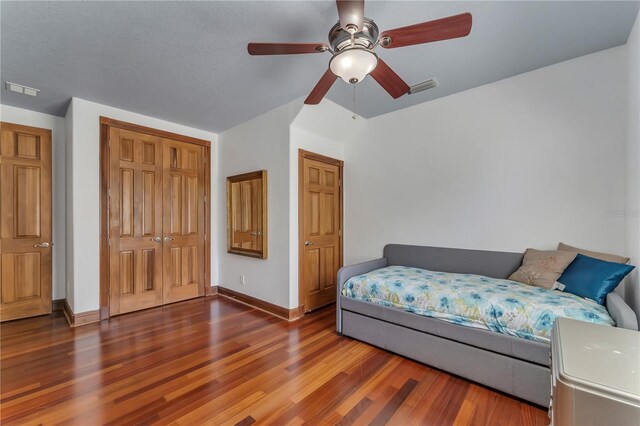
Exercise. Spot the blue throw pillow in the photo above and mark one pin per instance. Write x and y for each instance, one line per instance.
(593, 278)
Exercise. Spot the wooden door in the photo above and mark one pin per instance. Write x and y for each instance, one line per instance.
(320, 228)
(25, 221)
(135, 221)
(183, 221)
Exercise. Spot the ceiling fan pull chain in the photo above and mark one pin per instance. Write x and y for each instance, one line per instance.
(354, 102)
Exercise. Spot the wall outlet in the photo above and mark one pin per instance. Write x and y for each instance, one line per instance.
(241, 279)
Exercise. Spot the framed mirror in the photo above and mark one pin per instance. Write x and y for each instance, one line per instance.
(247, 214)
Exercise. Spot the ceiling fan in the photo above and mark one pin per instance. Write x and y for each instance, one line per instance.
(352, 42)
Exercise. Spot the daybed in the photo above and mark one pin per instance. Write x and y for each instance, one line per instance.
(510, 364)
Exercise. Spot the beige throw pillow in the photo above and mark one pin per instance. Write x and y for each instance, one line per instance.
(542, 268)
(602, 256)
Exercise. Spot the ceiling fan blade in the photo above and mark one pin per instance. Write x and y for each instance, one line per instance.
(285, 48)
(441, 29)
(351, 13)
(321, 88)
(389, 80)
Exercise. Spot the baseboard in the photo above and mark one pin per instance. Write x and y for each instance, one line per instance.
(284, 313)
(81, 318)
(296, 313)
(57, 305)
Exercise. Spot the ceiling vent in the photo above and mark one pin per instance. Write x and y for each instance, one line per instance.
(19, 88)
(425, 85)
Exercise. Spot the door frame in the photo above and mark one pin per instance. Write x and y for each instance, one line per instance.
(302, 155)
(105, 125)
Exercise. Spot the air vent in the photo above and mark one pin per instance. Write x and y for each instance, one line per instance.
(428, 84)
(19, 88)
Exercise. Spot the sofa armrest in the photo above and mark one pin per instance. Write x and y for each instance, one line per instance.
(621, 312)
(347, 272)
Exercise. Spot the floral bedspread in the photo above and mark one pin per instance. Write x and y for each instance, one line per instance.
(493, 304)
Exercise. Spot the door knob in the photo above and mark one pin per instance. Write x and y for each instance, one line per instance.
(308, 243)
(156, 239)
(254, 234)
(168, 239)
(43, 245)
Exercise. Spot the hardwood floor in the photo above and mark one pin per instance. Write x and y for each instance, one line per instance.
(217, 361)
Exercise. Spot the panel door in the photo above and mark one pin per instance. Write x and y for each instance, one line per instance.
(321, 249)
(246, 223)
(25, 221)
(135, 221)
(183, 221)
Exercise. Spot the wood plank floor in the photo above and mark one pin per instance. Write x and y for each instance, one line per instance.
(216, 361)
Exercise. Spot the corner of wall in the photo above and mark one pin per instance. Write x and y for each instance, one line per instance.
(632, 208)
(294, 109)
(259, 143)
(69, 284)
(324, 129)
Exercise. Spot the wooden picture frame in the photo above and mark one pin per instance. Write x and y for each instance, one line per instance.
(247, 214)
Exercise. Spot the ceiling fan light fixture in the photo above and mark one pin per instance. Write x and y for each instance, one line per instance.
(353, 65)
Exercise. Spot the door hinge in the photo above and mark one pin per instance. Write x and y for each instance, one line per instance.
(339, 232)
(109, 241)
(109, 142)
(339, 182)
(205, 198)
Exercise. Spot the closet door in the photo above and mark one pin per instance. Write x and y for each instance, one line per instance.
(25, 221)
(135, 221)
(183, 222)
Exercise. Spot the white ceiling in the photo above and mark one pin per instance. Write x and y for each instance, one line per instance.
(187, 61)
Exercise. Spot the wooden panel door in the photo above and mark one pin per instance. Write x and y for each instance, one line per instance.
(183, 220)
(135, 221)
(25, 221)
(321, 214)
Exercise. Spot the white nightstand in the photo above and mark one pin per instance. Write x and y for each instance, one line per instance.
(595, 375)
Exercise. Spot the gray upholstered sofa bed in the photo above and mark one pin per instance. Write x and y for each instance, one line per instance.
(513, 365)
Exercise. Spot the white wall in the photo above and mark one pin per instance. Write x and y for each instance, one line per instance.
(260, 143)
(57, 125)
(632, 212)
(85, 200)
(524, 162)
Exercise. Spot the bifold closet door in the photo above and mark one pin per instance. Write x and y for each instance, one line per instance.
(156, 221)
(25, 221)
(135, 221)
(184, 226)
